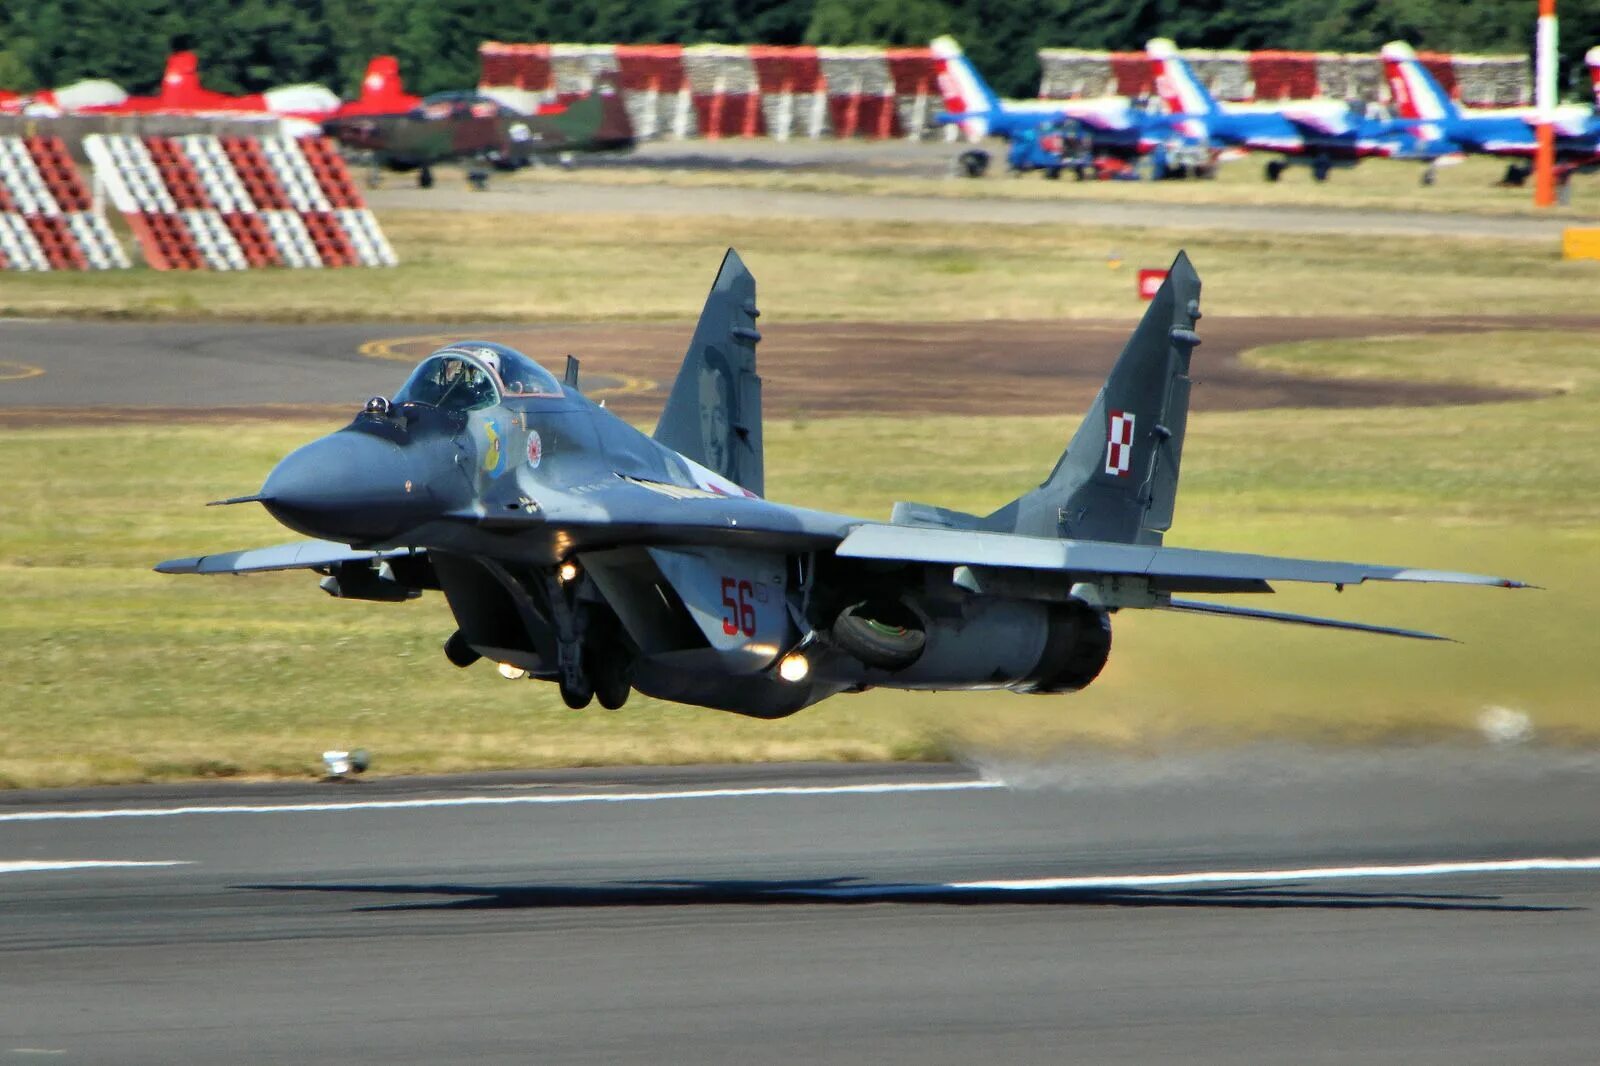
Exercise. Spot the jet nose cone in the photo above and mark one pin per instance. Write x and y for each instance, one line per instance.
(347, 486)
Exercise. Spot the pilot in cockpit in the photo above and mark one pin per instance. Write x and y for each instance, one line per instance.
(473, 374)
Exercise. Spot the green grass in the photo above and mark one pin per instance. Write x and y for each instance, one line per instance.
(462, 266)
(113, 673)
(1381, 185)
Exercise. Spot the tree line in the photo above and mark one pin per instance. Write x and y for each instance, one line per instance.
(250, 45)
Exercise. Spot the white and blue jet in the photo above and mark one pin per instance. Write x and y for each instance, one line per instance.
(574, 548)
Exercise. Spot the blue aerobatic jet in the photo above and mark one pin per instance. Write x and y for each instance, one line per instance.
(1320, 134)
(1114, 128)
(1440, 121)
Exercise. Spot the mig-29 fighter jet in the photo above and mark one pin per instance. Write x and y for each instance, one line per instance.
(574, 548)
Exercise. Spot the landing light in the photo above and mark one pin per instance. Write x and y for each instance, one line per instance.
(794, 667)
(512, 673)
(568, 571)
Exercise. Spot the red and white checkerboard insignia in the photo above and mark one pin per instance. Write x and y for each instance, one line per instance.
(1119, 444)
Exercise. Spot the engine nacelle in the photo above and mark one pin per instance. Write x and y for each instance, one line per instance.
(989, 642)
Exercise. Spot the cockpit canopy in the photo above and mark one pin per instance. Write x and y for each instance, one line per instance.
(468, 375)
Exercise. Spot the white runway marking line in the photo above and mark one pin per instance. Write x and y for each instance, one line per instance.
(505, 801)
(47, 865)
(1216, 877)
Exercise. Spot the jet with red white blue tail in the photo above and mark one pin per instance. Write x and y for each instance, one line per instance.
(1420, 99)
(1319, 134)
(1115, 127)
(572, 548)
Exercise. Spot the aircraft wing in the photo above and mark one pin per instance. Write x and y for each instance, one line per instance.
(1329, 123)
(297, 555)
(1090, 559)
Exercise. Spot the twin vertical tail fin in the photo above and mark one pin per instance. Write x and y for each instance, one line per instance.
(1592, 57)
(1415, 91)
(713, 414)
(963, 89)
(1180, 90)
(1118, 479)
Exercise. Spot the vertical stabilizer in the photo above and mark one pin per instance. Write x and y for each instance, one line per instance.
(1415, 91)
(963, 89)
(1180, 90)
(1118, 479)
(713, 414)
(1592, 57)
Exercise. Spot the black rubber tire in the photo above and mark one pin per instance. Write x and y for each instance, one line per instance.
(610, 672)
(459, 652)
(974, 162)
(425, 178)
(577, 698)
(877, 644)
(1274, 170)
(1053, 173)
(1320, 171)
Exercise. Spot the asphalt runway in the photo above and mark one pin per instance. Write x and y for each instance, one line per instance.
(59, 370)
(1277, 905)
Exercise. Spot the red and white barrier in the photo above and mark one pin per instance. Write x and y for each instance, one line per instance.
(46, 216)
(237, 203)
(1272, 76)
(715, 90)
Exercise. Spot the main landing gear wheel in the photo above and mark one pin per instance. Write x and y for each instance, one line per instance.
(1320, 170)
(883, 645)
(609, 671)
(1274, 169)
(425, 178)
(578, 695)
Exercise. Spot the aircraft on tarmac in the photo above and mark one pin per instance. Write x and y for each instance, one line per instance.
(1420, 99)
(571, 547)
(1322, 135)
(182, 93)
(483, 132)
(1114, 127)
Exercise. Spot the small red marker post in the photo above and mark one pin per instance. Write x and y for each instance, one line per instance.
(1150, 283)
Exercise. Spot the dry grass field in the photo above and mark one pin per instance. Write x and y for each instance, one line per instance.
(113, 673)
(471, 266)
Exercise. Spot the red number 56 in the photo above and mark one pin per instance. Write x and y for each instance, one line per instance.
(741, 616)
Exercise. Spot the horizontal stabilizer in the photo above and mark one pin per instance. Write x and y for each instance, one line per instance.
(298, 555)
(1199, 607)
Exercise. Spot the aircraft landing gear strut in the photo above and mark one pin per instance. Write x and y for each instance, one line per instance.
(424, 177)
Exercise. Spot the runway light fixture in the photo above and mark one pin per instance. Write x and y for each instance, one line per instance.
(794, 667)
(568, 571)
(344, 763)
(511, 672)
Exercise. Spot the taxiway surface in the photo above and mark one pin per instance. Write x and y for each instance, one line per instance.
(105, 371)
(1263, 905)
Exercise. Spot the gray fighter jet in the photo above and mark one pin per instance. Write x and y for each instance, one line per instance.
(573, 548)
